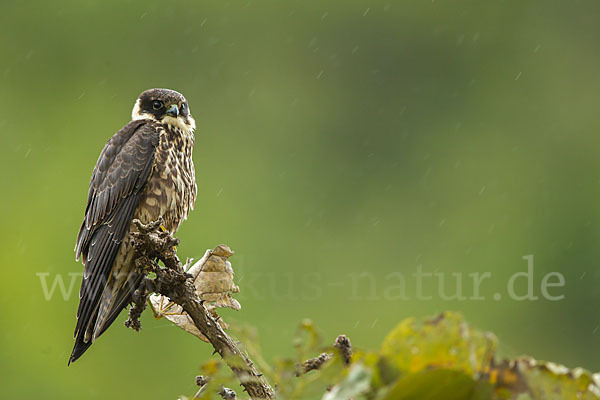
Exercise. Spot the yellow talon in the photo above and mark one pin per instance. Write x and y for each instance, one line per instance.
(154, 314)
(162, 228)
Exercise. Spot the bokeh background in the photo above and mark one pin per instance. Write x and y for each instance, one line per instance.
(334, 139)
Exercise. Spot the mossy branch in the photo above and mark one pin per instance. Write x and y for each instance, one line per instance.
(153, 245)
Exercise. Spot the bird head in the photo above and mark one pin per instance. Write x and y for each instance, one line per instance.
(164, 106)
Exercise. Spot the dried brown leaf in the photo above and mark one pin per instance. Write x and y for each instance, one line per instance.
(213, 279)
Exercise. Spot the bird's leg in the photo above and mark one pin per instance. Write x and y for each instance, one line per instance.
(164, 229)
(154, 314)
(163, 309)
(162, 314)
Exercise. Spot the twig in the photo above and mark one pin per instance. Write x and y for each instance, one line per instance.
(313, 363)
(225, 393)
(343, 345)
(201, 380)
(172, 281)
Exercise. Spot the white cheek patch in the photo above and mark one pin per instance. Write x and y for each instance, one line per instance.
(192, 121)
(178, 123)
(136, 112)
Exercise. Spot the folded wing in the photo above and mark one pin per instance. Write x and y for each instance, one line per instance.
(117, 183)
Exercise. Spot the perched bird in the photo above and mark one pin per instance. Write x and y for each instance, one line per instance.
(145, 171)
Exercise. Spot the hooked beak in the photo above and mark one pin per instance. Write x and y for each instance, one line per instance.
(173, 111)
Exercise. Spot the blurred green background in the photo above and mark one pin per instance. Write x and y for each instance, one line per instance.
(334, 139)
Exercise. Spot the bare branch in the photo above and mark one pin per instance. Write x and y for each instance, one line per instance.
(313, 363)
(140, 300)
(152, 244)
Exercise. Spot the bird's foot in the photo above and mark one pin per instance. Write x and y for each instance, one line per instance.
(163, 229)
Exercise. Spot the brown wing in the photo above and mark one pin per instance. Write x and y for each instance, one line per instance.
(118, 180)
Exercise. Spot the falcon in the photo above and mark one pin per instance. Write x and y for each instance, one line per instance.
(145, 171)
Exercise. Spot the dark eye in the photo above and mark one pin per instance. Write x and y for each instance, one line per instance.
(157, 105)
(183, 106)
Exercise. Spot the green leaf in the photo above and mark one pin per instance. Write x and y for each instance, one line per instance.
(439, 384)
(307, 340)
(357, 382)
(380, 374)
(446, 341)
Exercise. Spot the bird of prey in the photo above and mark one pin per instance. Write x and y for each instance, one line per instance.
(145, 171)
